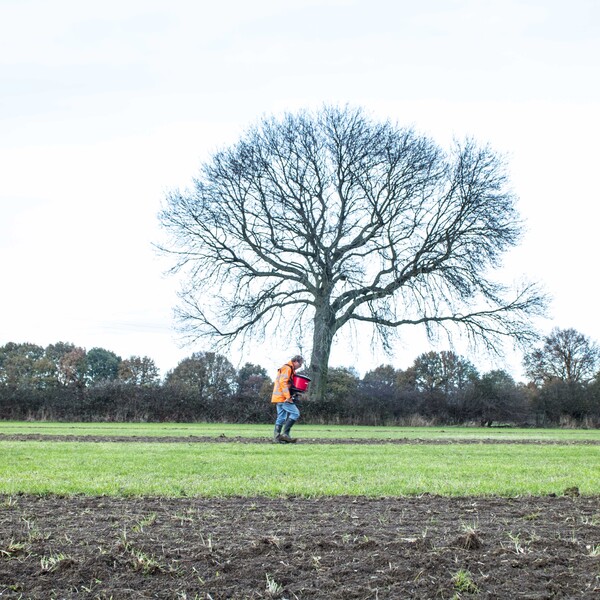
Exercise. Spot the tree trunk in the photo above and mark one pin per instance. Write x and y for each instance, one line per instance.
(324, 323)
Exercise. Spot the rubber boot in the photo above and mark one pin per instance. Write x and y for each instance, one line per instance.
(285, 435)
(277, 434)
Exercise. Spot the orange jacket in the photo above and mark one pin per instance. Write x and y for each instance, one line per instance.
(283, 381)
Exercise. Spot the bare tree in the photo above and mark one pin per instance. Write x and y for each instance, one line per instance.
(566, 355)
(320, 220)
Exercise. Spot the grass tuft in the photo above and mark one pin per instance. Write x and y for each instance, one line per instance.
(464, 583)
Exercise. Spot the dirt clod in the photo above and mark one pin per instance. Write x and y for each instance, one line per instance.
(469, 541)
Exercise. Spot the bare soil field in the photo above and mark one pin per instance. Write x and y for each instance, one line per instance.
(298, 548)
(40, 437)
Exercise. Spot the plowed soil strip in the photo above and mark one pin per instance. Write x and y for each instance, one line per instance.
(36, 437)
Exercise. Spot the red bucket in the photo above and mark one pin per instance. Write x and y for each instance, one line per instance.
(300, 383)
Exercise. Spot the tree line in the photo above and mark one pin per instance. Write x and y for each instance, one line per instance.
(66, 382)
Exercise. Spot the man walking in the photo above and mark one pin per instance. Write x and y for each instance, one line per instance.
(283, 398)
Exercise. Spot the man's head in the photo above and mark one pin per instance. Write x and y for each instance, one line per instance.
(298, 361)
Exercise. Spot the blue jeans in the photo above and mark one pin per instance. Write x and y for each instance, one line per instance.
(286, 410)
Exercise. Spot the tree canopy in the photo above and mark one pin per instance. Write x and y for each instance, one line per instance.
(566, 355)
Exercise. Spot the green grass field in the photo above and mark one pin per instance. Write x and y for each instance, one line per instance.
(307, 470)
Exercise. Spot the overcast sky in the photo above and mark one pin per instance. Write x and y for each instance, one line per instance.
(105, 106)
